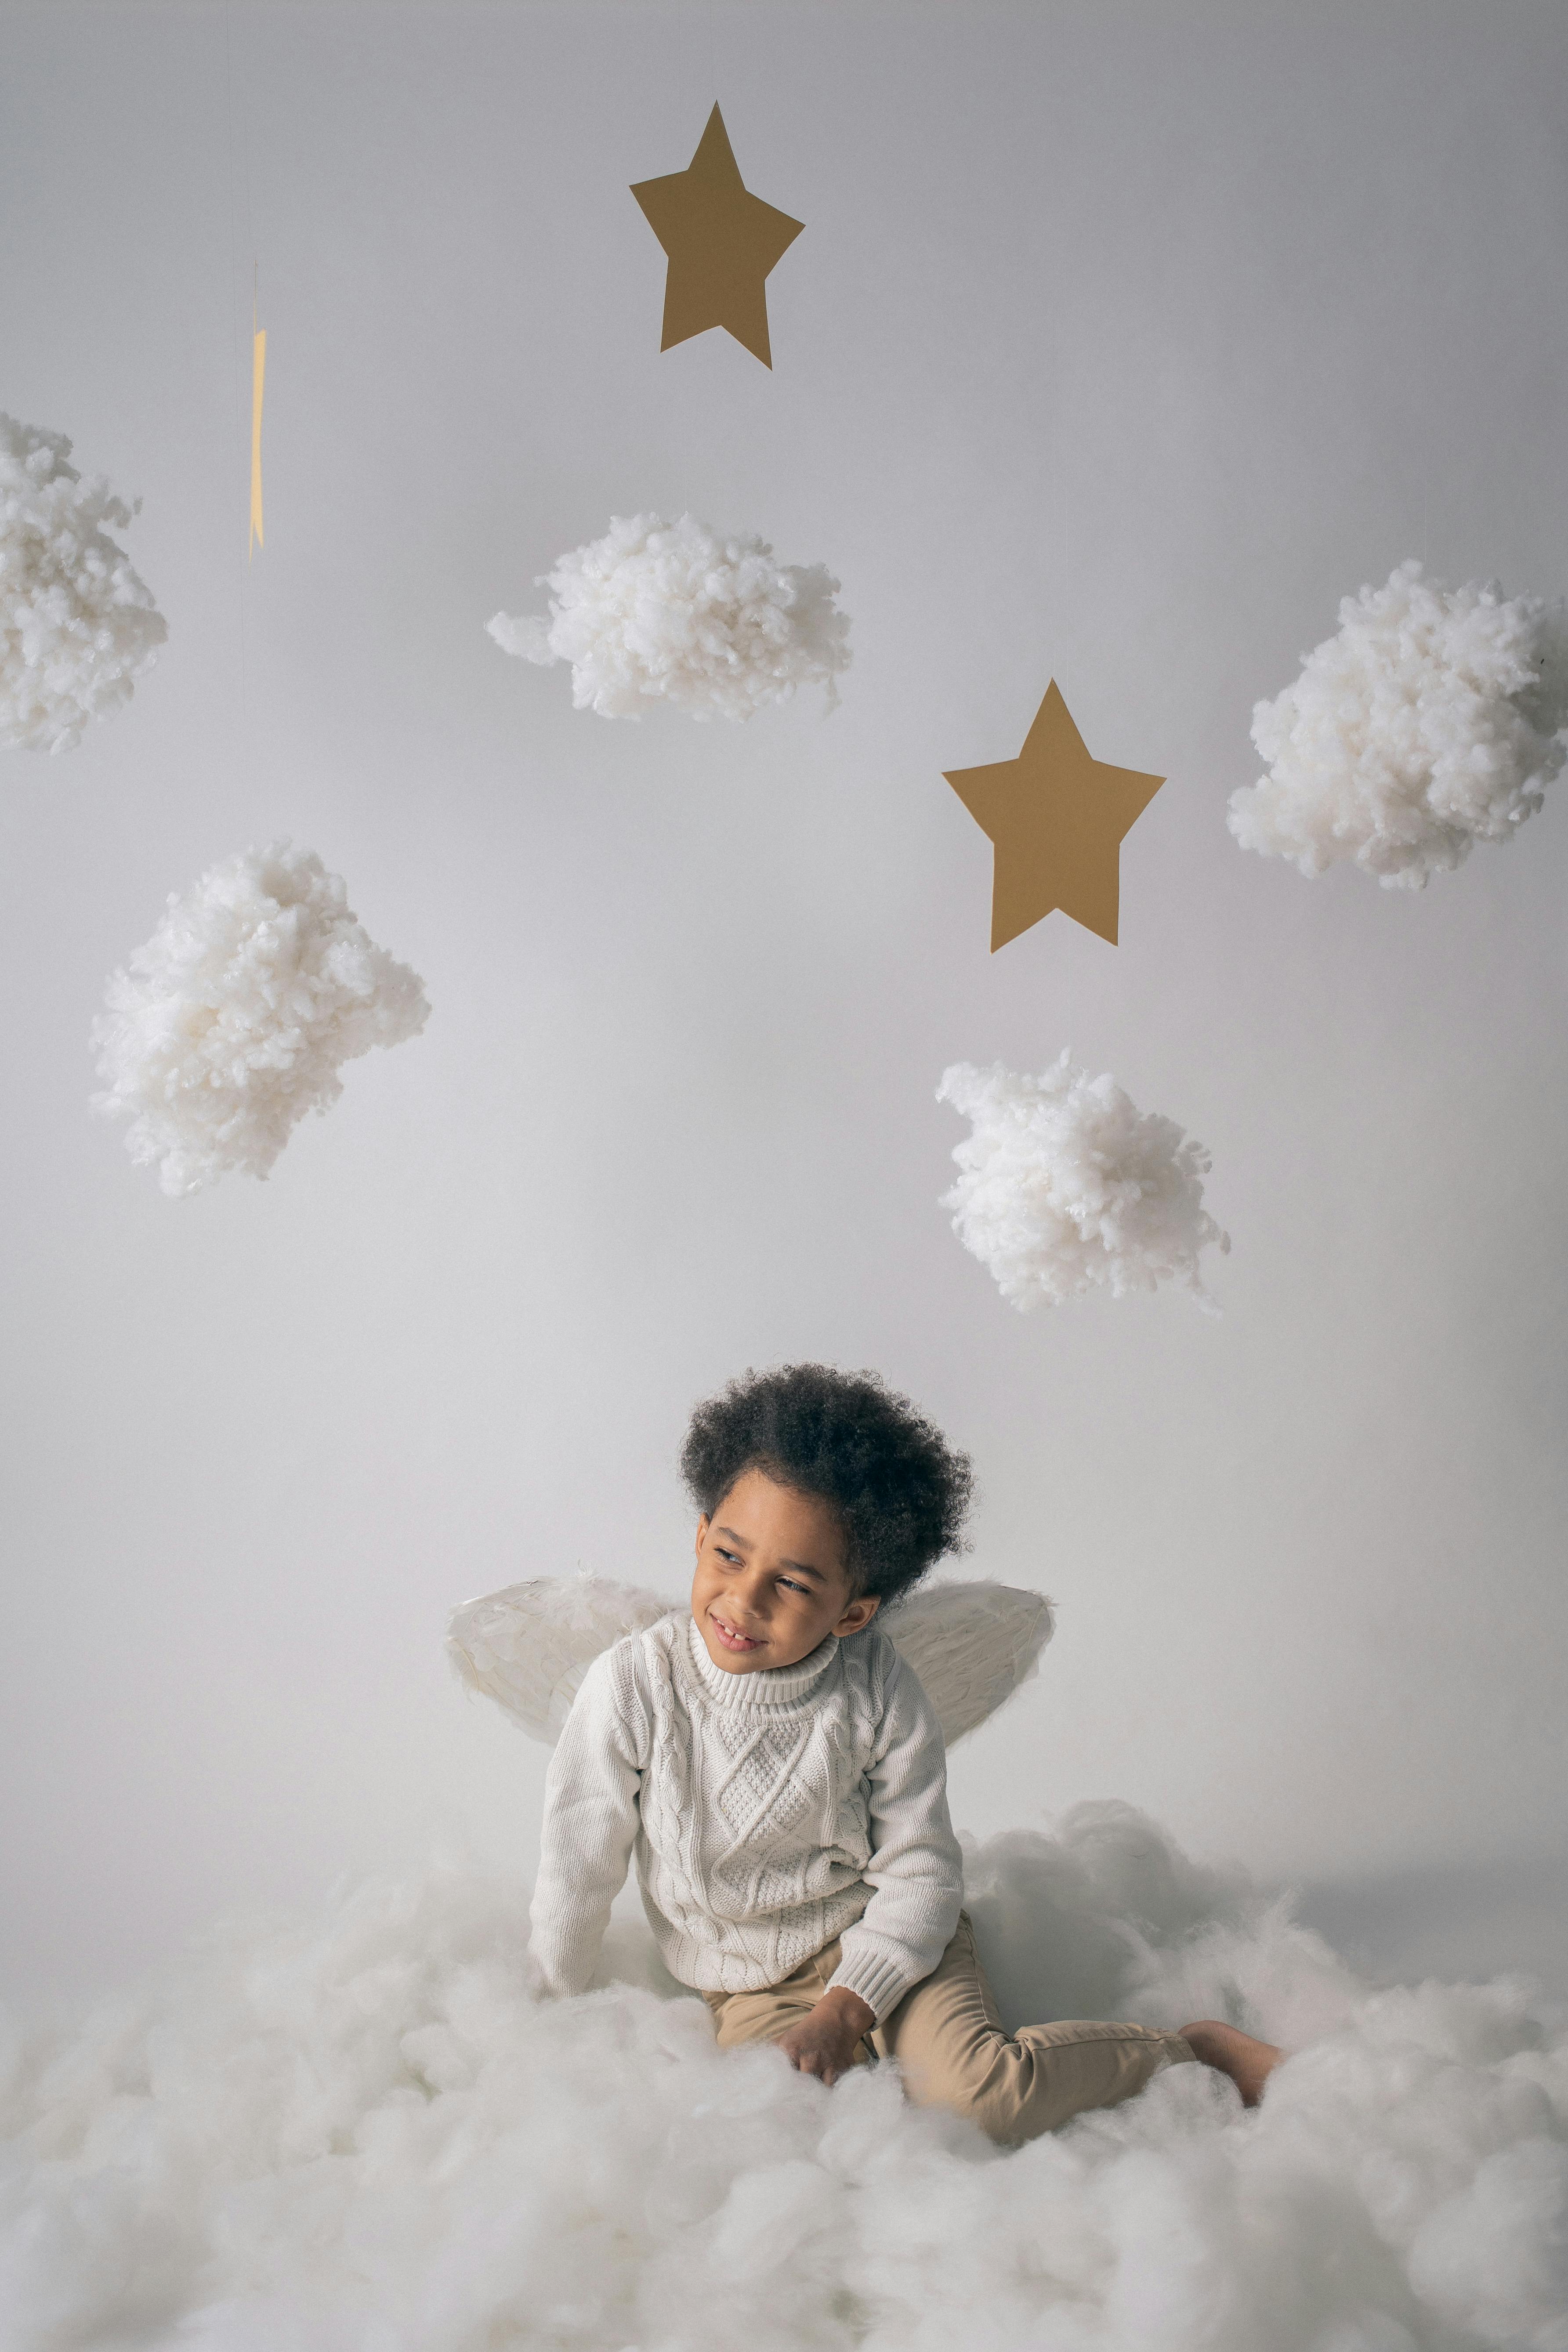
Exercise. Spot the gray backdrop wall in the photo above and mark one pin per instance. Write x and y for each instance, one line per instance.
(1121, 342)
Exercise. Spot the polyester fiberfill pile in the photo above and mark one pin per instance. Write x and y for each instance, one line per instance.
(232, 1020)
(670, 612)
(1430, 722)
(366, 2133)
(1065, 1186)
(77, 626)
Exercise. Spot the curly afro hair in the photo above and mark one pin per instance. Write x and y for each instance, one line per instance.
(899, 1489)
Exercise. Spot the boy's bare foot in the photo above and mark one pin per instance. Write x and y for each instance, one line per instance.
(1249, 2061)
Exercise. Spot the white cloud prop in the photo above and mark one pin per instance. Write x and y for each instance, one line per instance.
(1065, 1186)
(231, 1022)
(668, 612)
(365, 2132)
(1430, 722)
(77, 626)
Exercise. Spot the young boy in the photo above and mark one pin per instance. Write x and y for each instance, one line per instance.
(781, 1776)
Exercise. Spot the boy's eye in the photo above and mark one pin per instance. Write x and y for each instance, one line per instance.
(790, 1586)
(733, 1556)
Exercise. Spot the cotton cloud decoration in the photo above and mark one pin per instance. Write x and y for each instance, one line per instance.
(669, 612)
(1430, 722)
(1065, 1186)
(359, 2129)
(77, 626)
(231, 1022)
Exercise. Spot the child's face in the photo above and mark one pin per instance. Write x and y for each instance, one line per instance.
(771, 1580)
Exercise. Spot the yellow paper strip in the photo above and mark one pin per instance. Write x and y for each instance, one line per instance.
(259, 377)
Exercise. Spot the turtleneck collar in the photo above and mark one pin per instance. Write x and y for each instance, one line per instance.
(770, 1685)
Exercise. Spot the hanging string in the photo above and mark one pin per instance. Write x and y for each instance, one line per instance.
(1064, 982)
(258, 379)
(241, 236)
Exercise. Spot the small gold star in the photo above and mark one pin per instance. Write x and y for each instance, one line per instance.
(1057, 819)
(721, 242)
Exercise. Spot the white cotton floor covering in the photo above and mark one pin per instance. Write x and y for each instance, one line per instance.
(362, 2136)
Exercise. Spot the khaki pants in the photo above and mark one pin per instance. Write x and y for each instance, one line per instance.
(947, 2037)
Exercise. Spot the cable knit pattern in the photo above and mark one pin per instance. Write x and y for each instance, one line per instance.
(769, 1813)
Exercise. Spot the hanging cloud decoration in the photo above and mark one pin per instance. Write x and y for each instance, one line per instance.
(78, 627)
(1065, 1186)
(1430, 722)
(668, 612)
(232, 1021)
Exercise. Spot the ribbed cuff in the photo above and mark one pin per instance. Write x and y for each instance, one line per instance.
(880, 1983)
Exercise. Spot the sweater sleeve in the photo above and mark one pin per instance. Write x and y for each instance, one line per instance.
(589, 1828)
(916, 1870)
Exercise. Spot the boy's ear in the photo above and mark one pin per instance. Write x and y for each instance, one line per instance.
(858, 1614)
(701, 1531)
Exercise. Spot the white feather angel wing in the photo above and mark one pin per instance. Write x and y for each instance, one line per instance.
(971, 1644)
(528, 1646)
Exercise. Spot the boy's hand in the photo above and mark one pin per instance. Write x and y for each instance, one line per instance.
(823, 2043)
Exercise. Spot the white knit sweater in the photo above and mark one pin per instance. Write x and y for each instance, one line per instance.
(769, 1812)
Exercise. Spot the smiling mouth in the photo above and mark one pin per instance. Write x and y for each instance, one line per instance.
(729, 1639)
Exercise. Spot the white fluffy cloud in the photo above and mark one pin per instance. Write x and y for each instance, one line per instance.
(1430, 722)
(669, 612)
(231, 1022)
(1065, 1186)
(77, 626)
(363, 2131)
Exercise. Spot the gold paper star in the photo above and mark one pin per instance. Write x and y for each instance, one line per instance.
(721, 242)
(1057, 819)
